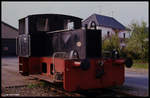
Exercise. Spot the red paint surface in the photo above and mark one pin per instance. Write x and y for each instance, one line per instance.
(119, 61)
(74, 78)
(59, 64)
(30, 65)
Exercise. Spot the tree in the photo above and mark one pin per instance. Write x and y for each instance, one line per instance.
(136, 45)
(111, 43)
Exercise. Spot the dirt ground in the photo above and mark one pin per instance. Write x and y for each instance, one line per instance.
(32, 91)
(14, 84)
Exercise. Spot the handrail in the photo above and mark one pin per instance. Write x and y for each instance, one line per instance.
(29, 50)
(54, 54)
(57, 31)
(16, 45)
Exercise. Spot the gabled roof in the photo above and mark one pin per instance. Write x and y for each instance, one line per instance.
(107, 21)
(8, 31)
(9, 25)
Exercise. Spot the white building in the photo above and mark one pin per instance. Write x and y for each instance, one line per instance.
(109, 26)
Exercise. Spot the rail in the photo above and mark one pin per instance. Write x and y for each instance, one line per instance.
(99, 92)
(29, 50)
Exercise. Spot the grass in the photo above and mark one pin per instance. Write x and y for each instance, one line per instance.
(140, 64)
(33, 85)
(41, 84)
(44, 84)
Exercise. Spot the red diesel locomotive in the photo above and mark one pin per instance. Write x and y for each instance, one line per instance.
(57, 49)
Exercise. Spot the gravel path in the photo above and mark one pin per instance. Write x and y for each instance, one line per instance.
(29, 91)
(137, 79)
(14, 84)
(137, 70)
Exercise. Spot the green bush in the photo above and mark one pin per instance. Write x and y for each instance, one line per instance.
(111, 43)
(136, 46)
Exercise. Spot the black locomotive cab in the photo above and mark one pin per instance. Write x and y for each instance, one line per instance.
(32, 32)
(34, 24)
(44, 34)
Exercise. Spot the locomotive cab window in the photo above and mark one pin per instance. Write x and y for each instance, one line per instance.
(70, 25)
(42, 24)
(22, 26)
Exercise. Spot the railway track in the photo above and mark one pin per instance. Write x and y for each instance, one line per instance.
(58, 88)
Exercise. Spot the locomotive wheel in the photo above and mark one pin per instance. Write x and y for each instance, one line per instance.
(85, 64)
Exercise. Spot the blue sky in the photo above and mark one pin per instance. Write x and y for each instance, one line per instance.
(124, 12)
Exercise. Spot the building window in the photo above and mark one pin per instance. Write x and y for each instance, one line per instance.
(121, 41)
(108, 33)
(124, 35)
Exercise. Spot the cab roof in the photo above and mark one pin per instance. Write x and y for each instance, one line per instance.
(53, 15)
